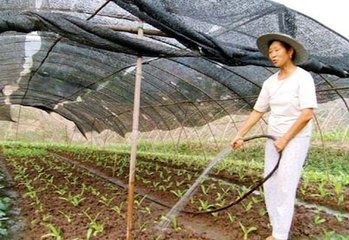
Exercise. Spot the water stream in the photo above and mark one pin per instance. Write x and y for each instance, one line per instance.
(172, 214)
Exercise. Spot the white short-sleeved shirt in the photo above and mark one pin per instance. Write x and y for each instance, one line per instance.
(286, 99)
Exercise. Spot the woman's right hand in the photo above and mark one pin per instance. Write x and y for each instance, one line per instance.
(237, 142)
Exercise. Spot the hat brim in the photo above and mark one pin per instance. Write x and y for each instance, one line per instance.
(264, 41)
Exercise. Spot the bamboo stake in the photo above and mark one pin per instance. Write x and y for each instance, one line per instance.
(134, 138)
(19, 118)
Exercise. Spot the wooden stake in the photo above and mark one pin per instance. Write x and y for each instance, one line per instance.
(134, 138)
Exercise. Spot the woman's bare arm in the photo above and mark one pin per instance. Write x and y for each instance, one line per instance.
(252, 119)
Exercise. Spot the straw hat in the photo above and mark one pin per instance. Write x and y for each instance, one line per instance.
(264, 40)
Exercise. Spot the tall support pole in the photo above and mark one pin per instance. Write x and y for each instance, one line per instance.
(134, 138)
(19, 118)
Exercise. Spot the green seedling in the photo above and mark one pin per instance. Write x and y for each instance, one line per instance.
(205, 205)
(179, 193)
(75, 200)
(247, 230)
(94, 226)
(319, 220)
(106, 201)
(54, 232)
(139, 202)
(231, 217)
(67, 216)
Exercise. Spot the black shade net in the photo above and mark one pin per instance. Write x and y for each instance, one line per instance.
(78, 59)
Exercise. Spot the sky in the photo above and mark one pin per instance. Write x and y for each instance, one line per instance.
(332, 13)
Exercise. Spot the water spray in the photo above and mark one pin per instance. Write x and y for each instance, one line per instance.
(178, 207)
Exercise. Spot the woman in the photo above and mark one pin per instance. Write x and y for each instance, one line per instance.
(290, 96)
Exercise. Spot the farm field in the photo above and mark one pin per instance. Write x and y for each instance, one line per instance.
(80, 193)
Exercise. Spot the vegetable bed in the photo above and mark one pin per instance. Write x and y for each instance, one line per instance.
(79, 193)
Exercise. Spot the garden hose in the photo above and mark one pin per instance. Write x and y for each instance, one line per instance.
(260, 183)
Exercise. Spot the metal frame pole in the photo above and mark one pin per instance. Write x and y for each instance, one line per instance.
(134, 138)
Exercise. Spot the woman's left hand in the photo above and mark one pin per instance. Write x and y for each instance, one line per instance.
(280, 144)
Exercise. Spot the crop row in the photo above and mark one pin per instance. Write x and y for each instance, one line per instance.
(331, 190)
(43, 175)
(160, 176)
(59, 196)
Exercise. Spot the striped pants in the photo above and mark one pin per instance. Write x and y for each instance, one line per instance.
(280, 189)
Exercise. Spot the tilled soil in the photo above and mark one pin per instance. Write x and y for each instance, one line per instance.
(87, 200)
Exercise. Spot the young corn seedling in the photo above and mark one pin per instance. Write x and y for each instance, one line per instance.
(145, 181)
(303, 186)
(162, 188)
(75, 200)
(31, 194)
(139, 202)
(148, 172)
(166, 180)
(322, 189)
(205, 205)
(46, 217)
(62, 191)
(338, 187)
(38, 177)
(231, 217)
(20, 172)
(256, 200)
(28, 184)
(54, 232)
(215, 214)
(106, 201)
(161, 175)
(241, 175)
(120, 171)
(146, 210)
(219, 197)
(94, 226)
(226, 190)
(261, 192)
(173, 220)
(328, 234)
(179, 183)
(179, 193)
(221, 203)
(262, 212)
(67, 216)
(206, 190)
(143, 226)
(156, 184)
(94, 191)
(240, 192)
(50, 179)
(319, 220)
(180, 172)
(175, 225)
(118, 208)
(339, 218)
(169, 185)
(189, 176)
(247, 230)
(248, 206)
